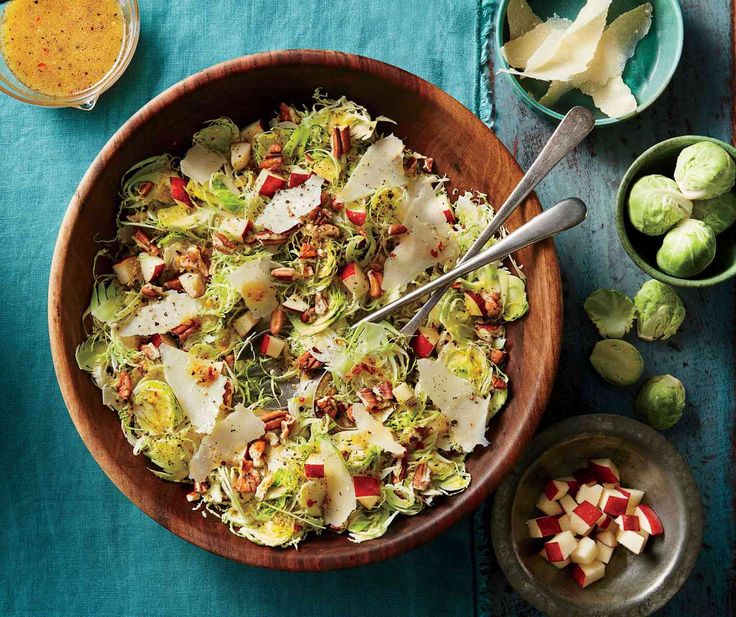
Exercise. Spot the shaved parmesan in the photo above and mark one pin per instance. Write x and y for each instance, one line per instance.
(288, 206)
(614, 99)
(200, 163)
(200, 396)
(521, 18)
(428, 240)
(340, 500)
(381, 165)
(160, 316)
(254, 283)
(454, 397)
(378, 434)
(518, 51)
(226, 443)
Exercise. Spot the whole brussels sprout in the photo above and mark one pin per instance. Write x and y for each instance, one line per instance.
(618, 362)
(705, 170)
(611, 311)
(660, 311)
(661, 401)
(718, 213)
(687, 249)
(656, 205)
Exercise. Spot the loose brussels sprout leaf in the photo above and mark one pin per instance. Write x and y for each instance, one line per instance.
(687, 249)
(705, 170)
(618, 362)
(611, 311)
(718, 213)
(660, 311)
(656, 205)
(172, 454)
(516, 304)
(155, 407)
(661, 401)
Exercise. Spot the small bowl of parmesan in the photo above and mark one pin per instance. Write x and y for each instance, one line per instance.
(614, 57)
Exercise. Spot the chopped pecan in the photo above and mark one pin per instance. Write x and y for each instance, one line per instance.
(330, 406)
(336, 142)
(307, 271)
(269, 238)
(307, 251)
(410, 166)
(396, 229)
(308, 316)
(499, 384)
(125, 385)
(345, 139)
(256, 451)
(230, 360)
(151, 291)
(319, 216)
(144, 188)
(375, 280)
(187, 329)
(227, 396)
(278, 317)
(174, 284)
(307, 362)
(194, 260)
(249, 478)
(150, 351)
(420, 480)
(328, 230)
(498, 356)
(288, 114)
(274, 159)
(385, 390)
(400, 472)
(144, 242)
(369, 399)
(328, 201)
(221, 243)
(349, 413)
(286, 425)
(285, 274)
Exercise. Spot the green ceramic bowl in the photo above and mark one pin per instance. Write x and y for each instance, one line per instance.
(647, 73)
(642, 249)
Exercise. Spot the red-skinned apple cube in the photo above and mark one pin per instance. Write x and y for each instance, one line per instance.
(608, 538)
(614, 502)
(585, 575)
(268, 183)
(314, 467)
(584, 552)
(240, 152)
(245, 323)
(544, 526)
(555, 490)
(127, 270)
(561, 546)
(449, 216)
(356, 217)
(568, 504)
(605, 470)
(572, 485)
(564, 522)
(297, 177)
(608, 524)
(635, 496)
(603, 551)
(151, 267)
(193, 284)
(250, 131)
(584, 517)
(585, 476)
(557, 564)
(628, 522)
(179, 191)
(649, 520)
(162, 339)
(635, 541)
(236, 228)
(590, 493)
(272, 346)
(367, 490)
(474, 304)
(355, 281)
(424, 341)
(550, 508)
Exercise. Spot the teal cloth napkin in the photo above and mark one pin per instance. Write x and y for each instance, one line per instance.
(71, 544)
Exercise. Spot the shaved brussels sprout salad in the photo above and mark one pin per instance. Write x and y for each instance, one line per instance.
(241, 266)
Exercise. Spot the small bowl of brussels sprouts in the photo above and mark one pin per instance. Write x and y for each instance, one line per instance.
(676, 209)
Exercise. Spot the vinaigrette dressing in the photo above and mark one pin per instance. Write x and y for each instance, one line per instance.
(61, 47)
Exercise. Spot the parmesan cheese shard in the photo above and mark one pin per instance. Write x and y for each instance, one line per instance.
(340, 499)
(254, 283)
(518, 51)
(200, 163)
(160, 316)
(226, 443)
(378, 434)
(428, 240)
(521, 18)
(199, 386)
(614, 98)
(381, 165)
(454, 397)
(288, 206)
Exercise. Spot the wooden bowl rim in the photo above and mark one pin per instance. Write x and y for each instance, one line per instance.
(425, 526)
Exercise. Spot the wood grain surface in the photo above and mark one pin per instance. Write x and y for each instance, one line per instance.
(429, 121)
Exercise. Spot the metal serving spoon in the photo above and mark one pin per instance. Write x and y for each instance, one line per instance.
(560, 217)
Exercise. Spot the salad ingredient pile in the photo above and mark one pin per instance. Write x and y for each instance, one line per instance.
(241, 266)
(588, 515)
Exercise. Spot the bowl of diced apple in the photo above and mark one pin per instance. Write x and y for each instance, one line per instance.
(600, 517)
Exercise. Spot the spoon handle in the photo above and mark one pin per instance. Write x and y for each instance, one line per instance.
(574, 127)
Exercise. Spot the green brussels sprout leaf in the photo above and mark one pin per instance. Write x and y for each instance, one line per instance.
(688, 249)
(656, 205)
(660, 311)
(705, 170)
(661, 401)
(611, 311)
(155, 407)
(718, 213)
(618, 362)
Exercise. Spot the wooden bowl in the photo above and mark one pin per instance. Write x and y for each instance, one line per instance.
(431, 122)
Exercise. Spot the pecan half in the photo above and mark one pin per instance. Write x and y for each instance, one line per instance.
(375, 280)
(274, 159)
(420, 480)
(221, 243)
(345, 139)
(125, 385)
(307, 362)
(336, 142)
(330, 406)
(288, 114)
(268, 238)
(285, 274)
(145, 243)
(187, 329)
(151, 291)
(497, 356)
(400, 473)
(278, 318)
(396, 229)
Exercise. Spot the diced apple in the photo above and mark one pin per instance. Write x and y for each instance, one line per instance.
(424, 341)
(295, 303)
(268, 183)
(151, 267)
(355, 280)
(560, 547)
(608, 524)
(590, 493)
(605, 470)
(568, 504)
(564, 522)
(572, 485)
(127, 270)
(608, 538)
(314, 467)
(544, 526)
(240, 155)
(555, 489)
(585, 552)
(404, 393)
(162, 339)
(449, 216)
(603, 551)
(356, 217)
(585, 476)
(474, 304)
(298, 177)
(236, 228)
(549, 507)
(245, 323)
(635, 541)
(584, 517)
(250, 131)
(367, 490)
(585, 575)
(179, 191)
(272, 345)
(193, 284)
(635, 496)
(628, 522)
(557, 564)
(649, 520)
(613, 502)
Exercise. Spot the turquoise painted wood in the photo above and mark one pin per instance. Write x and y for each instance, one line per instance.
(697, 102)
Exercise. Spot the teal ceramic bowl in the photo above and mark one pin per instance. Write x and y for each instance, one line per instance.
(642, 249)
(647, 73)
